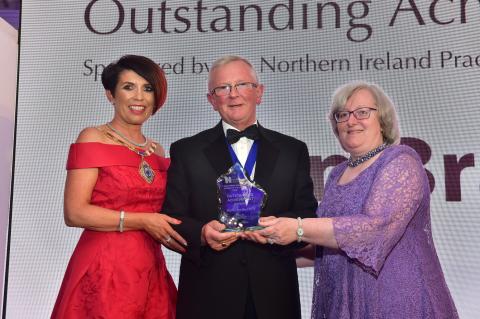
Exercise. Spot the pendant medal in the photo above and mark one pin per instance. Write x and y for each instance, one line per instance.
(146, 171)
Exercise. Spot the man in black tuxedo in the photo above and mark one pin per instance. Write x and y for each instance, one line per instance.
(231, 275)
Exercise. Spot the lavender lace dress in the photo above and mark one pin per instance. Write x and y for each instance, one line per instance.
(386, 266)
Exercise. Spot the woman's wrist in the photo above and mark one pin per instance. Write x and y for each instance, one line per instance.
(135, 221)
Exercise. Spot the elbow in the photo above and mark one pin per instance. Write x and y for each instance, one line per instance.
(70, 219)
(68, 222)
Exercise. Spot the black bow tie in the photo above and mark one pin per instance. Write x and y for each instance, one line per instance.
(250, 132)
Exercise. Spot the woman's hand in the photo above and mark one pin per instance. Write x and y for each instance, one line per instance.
(255, 235)
(281, 231)
(158, 226)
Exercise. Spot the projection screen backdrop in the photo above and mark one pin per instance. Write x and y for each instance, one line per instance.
(425, 54)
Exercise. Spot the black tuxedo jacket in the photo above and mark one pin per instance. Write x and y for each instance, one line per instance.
(215, 284)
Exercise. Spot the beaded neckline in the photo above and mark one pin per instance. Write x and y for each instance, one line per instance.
(126, 138)
(367, 156)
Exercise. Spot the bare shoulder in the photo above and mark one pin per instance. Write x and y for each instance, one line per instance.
(90, 134)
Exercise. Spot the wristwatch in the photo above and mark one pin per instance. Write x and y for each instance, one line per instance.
(299, 230)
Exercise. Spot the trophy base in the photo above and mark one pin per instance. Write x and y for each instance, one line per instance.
(240, 229)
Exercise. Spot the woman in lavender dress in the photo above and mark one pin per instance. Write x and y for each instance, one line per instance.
(375, 256)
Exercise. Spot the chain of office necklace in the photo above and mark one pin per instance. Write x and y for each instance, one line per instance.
(367, 156)
(148, 152)
(127, 139)
(144, 169)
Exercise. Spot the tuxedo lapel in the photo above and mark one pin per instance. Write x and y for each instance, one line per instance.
(266, 157)
(217, 151)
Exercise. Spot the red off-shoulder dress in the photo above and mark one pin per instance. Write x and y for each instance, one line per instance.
(113, 274)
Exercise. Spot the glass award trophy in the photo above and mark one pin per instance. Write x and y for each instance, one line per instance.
(240, 200)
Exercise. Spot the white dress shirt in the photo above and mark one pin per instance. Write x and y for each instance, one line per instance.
(241, 147)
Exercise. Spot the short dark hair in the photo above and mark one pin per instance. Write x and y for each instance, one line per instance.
(144, 67)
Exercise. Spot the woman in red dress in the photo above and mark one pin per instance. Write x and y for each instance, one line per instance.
(115, 189)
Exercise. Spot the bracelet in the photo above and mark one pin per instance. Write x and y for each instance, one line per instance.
(122, 219)
(299, 230)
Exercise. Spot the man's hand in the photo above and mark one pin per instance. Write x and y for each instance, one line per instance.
(212, 236)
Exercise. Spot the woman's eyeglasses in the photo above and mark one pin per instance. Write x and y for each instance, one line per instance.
(361, 113)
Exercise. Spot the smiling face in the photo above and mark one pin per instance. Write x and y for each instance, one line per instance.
(133, 99)
(360, 136)
(237, 109)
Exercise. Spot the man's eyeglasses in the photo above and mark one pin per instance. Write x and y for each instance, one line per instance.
(242, 87)
(361, 113)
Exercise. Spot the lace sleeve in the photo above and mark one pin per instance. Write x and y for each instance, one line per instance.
(394, 198)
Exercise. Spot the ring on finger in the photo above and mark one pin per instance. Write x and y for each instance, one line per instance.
(270, 241)
(224, 244)
(168, 239)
